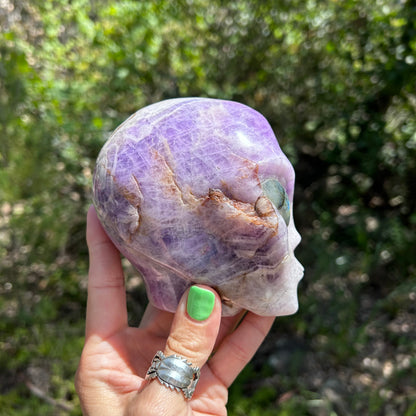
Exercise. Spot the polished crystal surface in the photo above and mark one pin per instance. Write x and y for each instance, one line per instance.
(197, 190)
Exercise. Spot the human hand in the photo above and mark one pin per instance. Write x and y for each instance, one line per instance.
(111, 375)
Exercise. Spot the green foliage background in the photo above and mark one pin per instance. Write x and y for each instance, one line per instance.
(336, 80)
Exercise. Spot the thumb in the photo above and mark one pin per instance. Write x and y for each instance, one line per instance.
(192, 336)
(195, 325)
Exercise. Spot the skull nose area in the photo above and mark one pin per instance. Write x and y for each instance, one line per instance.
(294, 238)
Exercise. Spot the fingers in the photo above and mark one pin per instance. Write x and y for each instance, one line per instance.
(156, 321)
(228, 325)
(238, 348)
(192, 336)
(106, 305)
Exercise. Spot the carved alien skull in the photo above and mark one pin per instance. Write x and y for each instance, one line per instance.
(197, 190)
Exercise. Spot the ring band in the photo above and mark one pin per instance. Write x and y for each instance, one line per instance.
(174, 372)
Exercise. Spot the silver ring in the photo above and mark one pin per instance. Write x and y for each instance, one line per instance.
(174, 372)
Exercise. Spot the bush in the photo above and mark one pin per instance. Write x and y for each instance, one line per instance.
(335, 80)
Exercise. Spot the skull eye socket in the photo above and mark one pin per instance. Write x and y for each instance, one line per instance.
(274, 190)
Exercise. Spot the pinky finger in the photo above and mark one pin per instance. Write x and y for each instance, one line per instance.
(238, 348)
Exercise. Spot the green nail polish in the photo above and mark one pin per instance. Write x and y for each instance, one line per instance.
(200, 303)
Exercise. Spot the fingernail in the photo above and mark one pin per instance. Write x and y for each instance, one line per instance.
(200, 303)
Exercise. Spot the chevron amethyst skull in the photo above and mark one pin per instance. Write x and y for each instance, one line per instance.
(197, 190)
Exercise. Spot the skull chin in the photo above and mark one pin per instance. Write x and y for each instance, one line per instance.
(273, 294)
(292, 273)
(286, 301)
(276, 298)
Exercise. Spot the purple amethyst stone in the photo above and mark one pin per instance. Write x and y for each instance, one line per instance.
(197, 190)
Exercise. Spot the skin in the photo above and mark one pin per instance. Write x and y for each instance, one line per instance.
(111, 375)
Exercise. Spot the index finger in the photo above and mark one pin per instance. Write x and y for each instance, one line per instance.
(106, 304)
(237, 348)
(156, 321)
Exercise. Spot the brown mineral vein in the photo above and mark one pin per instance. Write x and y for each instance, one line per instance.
(168, 176)
(171, 269)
